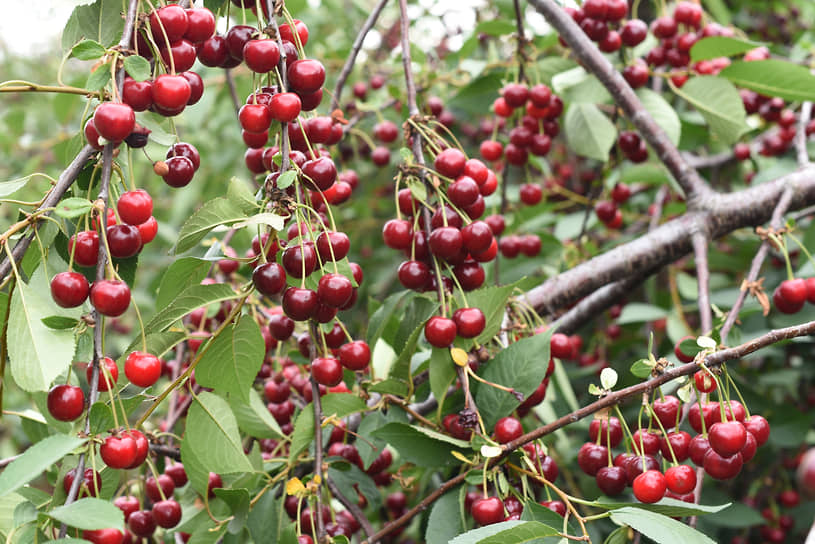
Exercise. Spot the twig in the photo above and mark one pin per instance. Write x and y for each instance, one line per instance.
(519, 25)
(355, 48)
(703, 281)
(694, 187)
(8, 460)
(318, 454)
(166, 451)
(709, 161)
(801, 134)
(233, 91)
(355, 511)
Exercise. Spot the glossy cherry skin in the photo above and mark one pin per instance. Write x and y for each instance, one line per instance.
(722, 468)
(355, 355)
(135, 207)
(413, 274)
(450, 163)
(327, 371)
(445, 242)
(118, 452)
(306, 75)
(334, 290)
(558, 507)
(759, 427)
(142, 523)
(69, 289)
(171, 92)
(269, 279)
(281, 327)
(508, 429)
(650, 486)
(333, 246)
(137, 94)
(142, 447)
(85, 247)
(177, 473)
(200, 25)
(705, 382)
(727, 438)
(114, 121)
(440, 331)
(180, 173)
(487, 510)
(681, 479)
(105, 381)
(167, 513)
(285, 107)
(91, 482)
(679, 444)
(470, 322)
(66, 402)
(127, 504)
(611, 480)
(103, 536)
(591, 457)
(110, 297)
(155, 487)
(606, 427)
(667, 411)
(261, 56)
(123, 240)
(299, 303)
(170, 20)
(142, 369)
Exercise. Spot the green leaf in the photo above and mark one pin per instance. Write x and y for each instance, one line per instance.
(444, 522)
(212, 441)
(472, 97)
(73, 207)
(422, 447)
(589, 132)
(36, 459)
(137, 67)
(773, 77)
(99, 77)
(641, 368)
(191, 298)
(442, 373)
(638, 312)
(661, 529)
(267, 218)
(13, 185)
(719, 103)
(666, 507)
(38, 353)
(101, 417)
(349, 478)
(253, 417)
(339, 404)
(736, 516)
(88, 50)
(219, 211)
(238, 501)
(407, 335)
(496, 27)
(476, 536)
(286, 179)
(493, 302)
(59, 322)
(89, 513)
(265, 519)
(182, 273)
(526, 532)
(521, 366)
(101, 21)
(233, 359)
(720, 46)
(662, 112)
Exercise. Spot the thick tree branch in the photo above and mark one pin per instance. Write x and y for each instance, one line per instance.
(594, 304)
(594, 62)
(699, 241)
(355, 48)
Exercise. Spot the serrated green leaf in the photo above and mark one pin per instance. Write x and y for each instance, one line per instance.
(719, 103)
(720, 46)
(13, 185)
(254, 418)
(191, 298)
(351, 480)
(101, 21)
(233, 359)
(59, 322)
(38, 354)
(521, 366)
(88, 514)
(137, 67)
(665, 507)
(35, 460)
(73, 207)
(773, 77)
(286, 179)
(420, 446)
(638, 312)
(88, 50)
(219, 211)
(99, 77)
(444, 522)
(482, 534)
(589, 132)
(661, 529)
(183, 273)
(662, 112)
(442, 372)
(339, 404)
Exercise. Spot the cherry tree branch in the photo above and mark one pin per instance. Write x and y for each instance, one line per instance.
(699, 241)
(802, 153)
(354, 510)
(519, 25)
(355, 48)
(694, 187)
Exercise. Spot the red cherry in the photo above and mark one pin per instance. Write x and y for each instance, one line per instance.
(148, 230)
(334, 290)
(450, 163)
(650, 486)
(302, 32)
(591, 457)
(105, 382)
(180, 171)
(684, 357)
(85, 247)
(142, 447)
(127, 504)
(142, 523)
(558, 507)
(727, 438)
(516, 94)
(103, 536)
(646, 442)
(184, 149)
(327, 371)
(705, 382)
(167, 513)
(355, 355)
(611, 480)
(213, 51)
(440, 331)
(110, 297)
(201, 25)
(321, 173)
(491, 150)
(269, 279)
(261, 56)
(118, 452)
(91, 482)
(333, 246)
(66, 402)
(699, 445)
(306, 75)
(445, 242)
(470, 322)
(135, 207)
(255, 117)
(722, 468)
(171, 92)
(607, 428)
(667, 411)
(114, 121)
(758, 427)
(137, 94)
(679, 444)
(169, 20)
(123, 240)
(487, 510)
(69, 289)
(142, 369)
(154, 488)
(508, 429)
(285, 107)
(299, 303)
(397, 234)
(681, 479)
(177, 473)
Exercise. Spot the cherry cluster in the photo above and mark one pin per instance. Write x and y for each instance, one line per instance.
(791, 295)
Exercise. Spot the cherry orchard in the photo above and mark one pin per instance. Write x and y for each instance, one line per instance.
(387, 318)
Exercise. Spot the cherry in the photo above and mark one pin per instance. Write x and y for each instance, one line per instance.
(591, 457)
(281, 327)
(306, 75)
(167, 513)
(734, 411)
(142, 523)
(758, 427)
(236, 39)
(302, 32)
(508, 429)
(705, 382)
(184, 149)
(105, 382)
(114, 121)
(261, 56)
(646, 442)
(320, 172)
(749, 449)
(794, 292)
(170, 20)
(440, 331)
(180, 171)
(491, 150)
(397, 234)
(727, 438)
(255, 117)
(285, 107)
(142, 447)
(636, 74)
(123, 240)
(269, 279)
(698, 447)
(667, 411)
(355, 355)
(679, 444)
(103, 536)
(688, 13)
(333, 246)
(142, 369)
(91, 482)
(177, 473)
(722, 468)
(682, 356)
(137, 94)
(110, 297)
(463, 192)
(201, 25)
(299, 260)
(413, 274)
(299, 303)
(450, 163)
(171, 92)
(152, 484)
(69, 289)
(558, 507)
(445, 242)
(127, 504)
(531, 193)
(487, 510)
(66, 402)
(135, 207)
(214, 51)
(326, 371)
(607, 427)
(182, 54)
(650, 486)
(470, 322)
(664, 27)
(118, 451)
(611, 480)
(695, 415)
(605, 210)
(680, 479)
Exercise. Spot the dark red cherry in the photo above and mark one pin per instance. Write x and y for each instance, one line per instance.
(66, 402)
(487, 510)
(440, 331)
(123, 240)
(110, 297)
(114, 121)
(306, 75)
(611, 480)
(299, 303)
(355, 355)
(69, 289)
(470, 322)
(326, 371)
(269, 279)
